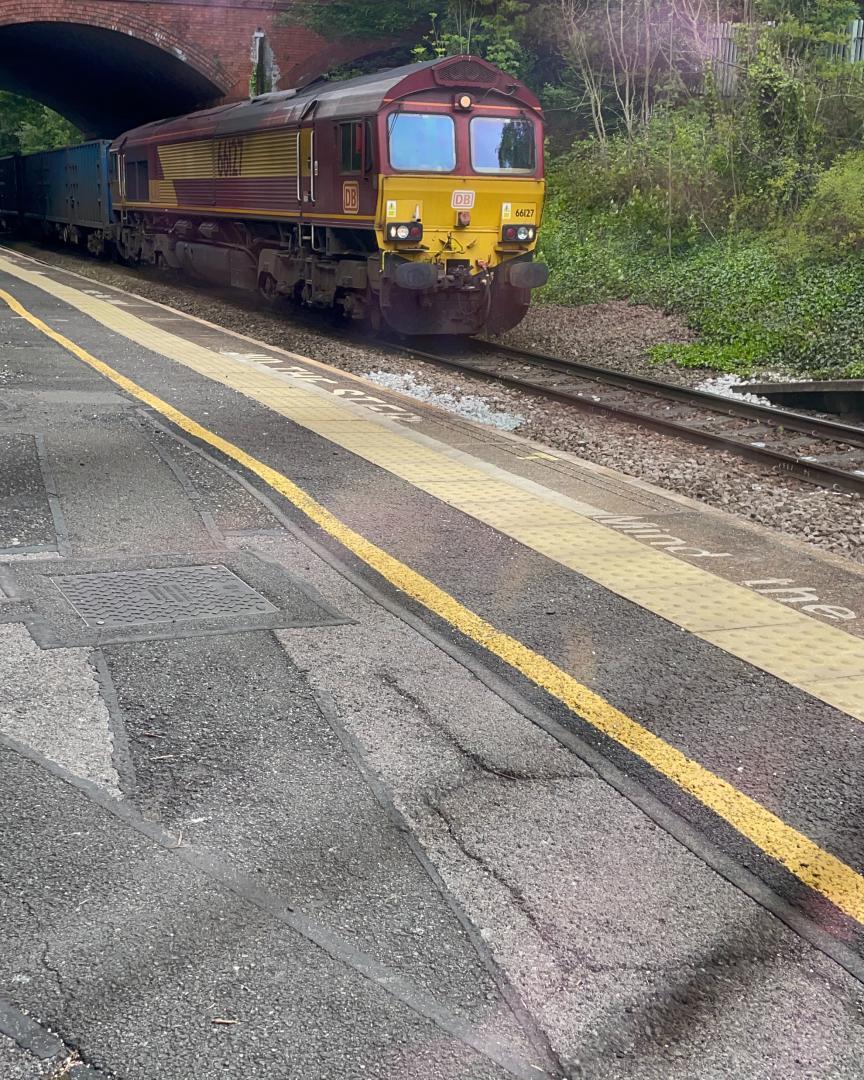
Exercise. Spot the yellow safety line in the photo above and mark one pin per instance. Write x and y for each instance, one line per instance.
(824, 661)
(810, 863)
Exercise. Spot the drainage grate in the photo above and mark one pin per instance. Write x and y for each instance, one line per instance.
(86, 603)
(168, 595)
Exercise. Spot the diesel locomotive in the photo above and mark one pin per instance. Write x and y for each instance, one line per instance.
(410, 198)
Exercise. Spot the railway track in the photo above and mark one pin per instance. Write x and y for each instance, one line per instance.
(820, 451)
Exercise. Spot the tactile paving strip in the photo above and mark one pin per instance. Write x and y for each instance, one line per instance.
(756, 628)
(166, 595)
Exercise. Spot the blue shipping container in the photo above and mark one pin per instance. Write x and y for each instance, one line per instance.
(68, 186)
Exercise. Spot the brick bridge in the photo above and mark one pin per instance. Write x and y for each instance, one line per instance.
(110, 64)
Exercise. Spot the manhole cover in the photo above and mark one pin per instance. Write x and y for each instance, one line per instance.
(168, 595)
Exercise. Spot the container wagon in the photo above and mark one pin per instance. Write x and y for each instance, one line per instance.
(67, 192)
(10, 209)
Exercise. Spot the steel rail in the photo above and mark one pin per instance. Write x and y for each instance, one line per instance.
(769, 414)
(779, 419)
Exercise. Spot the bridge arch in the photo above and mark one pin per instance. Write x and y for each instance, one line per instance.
(102, 67)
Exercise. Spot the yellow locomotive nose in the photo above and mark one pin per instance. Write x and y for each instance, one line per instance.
(486, 220)
(467, 265)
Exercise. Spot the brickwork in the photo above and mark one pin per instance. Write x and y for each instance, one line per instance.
(212, 36)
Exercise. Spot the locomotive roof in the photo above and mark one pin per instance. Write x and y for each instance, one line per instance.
(362, 96)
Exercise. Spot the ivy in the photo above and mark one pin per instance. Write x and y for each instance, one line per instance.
(370, 21)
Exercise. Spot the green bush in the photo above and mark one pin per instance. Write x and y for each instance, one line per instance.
(671, 183)
(752, 305)
(659, 218)
(833, 220)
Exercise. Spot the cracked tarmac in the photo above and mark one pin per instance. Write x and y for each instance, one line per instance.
(329, 849)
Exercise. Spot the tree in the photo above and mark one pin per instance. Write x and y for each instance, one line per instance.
(626, 55)
(26, 126)
(501, 31)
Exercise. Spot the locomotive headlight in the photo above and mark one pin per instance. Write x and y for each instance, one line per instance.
(399, 232)
(518, 234)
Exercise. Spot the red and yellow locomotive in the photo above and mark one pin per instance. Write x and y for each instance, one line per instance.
(411, 197)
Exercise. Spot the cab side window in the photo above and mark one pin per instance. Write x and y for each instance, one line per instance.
(114, 174)
(351, 147)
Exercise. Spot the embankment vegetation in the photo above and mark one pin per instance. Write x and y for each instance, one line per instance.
(705, 158)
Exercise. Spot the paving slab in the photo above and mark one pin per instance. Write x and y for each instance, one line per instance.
(54, 704)
(25, 516)
(18, 1064)
(152, 969)
(363, 846)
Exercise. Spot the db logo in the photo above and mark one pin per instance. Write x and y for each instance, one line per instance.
(351, 197)
(463, 200)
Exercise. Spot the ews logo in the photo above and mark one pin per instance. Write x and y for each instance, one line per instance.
(229, 157)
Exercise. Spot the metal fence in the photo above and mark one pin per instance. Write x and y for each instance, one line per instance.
(851, 50)
(724, 51)
(723, 43)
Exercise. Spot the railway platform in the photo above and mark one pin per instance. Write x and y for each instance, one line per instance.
(341, 737)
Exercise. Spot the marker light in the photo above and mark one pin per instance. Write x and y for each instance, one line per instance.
(405, 231)
(463, 102)
(463, 219)
(518, 234)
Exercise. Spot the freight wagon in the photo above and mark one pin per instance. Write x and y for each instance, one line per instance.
(64, 193)
(9, 194)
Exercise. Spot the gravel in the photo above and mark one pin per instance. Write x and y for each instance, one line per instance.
(613, 334)
(724, 385)
(468, 406)
(831, 520)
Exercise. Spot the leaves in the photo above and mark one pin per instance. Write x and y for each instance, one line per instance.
(26, 126)
(494, 29)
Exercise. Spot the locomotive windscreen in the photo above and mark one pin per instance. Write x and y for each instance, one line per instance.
(420, 142)
(502, 145)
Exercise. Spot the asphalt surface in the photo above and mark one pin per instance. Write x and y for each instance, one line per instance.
(324, 847)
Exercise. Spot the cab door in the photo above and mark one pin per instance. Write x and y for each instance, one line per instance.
(307, 169)
(357, 181)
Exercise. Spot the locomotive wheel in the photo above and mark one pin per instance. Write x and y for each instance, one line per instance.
(374, 320)
(268, 289)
